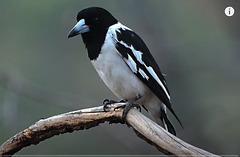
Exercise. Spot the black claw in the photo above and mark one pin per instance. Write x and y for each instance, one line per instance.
(105, 101)
(105, 107)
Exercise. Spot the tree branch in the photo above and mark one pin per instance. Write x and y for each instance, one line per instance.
(91, 117)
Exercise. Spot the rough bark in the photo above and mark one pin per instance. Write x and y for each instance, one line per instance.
(91, 117)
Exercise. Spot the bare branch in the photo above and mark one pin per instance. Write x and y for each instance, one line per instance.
(91, 117)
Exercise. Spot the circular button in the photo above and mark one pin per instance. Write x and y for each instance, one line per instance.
(229, 11)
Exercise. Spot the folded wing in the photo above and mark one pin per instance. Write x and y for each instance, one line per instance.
(139, 59)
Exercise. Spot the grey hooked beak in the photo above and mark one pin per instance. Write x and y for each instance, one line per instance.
(79, 28)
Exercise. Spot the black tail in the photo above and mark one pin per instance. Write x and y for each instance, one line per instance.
(166, 122)
(169, 106)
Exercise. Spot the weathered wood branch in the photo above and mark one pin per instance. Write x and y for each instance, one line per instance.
(91, 117)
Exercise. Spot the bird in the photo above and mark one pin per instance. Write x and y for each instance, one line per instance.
(124, 63)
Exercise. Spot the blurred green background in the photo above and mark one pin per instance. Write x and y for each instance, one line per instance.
(42, 73)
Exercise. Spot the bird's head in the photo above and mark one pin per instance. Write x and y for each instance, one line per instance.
(92, 19)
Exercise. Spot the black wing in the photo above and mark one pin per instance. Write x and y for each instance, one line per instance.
(139, 59)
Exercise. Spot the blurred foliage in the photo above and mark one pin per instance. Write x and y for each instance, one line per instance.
(42, 73)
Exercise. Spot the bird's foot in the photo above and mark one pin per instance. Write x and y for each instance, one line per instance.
(107, 104)
(127, 105)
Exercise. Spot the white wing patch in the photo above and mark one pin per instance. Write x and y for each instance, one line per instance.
(144, 75)
(117, 26)
(138, 54)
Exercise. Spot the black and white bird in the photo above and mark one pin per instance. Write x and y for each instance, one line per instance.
(124, 63)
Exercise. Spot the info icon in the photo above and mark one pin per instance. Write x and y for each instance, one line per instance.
(229, 11)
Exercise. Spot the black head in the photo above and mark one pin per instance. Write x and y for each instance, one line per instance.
(92, 19)
(93, 24)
